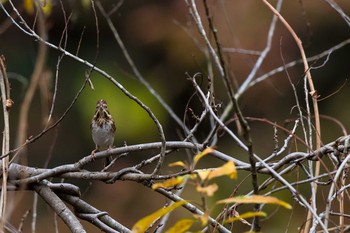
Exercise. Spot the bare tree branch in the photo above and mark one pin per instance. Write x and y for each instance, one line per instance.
(59, 207)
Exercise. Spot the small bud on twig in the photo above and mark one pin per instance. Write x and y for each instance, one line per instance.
(9, 104)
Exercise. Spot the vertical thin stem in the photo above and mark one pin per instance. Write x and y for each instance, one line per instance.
(6, 104)
(312, 92)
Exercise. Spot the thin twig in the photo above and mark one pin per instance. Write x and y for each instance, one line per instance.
(196, 16)
(264, 53)
(64, 38)
(316, 57)
(36, 75)
(32, 33)
(5, 97)
(139, 76)
(314, 96)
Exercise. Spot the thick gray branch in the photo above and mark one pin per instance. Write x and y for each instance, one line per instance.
(59, 208)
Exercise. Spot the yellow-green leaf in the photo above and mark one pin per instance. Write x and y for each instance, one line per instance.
(203, 218)
(203, 174)
(228, 169)
(28, 6)
(200, 155)
(45, 5)
(143, 224)
(178, 163)
(257, 199)
(170, 182)
(208, 190)
(181, 226)
(246, 215)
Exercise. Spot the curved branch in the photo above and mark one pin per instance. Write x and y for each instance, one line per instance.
(89, 213)
(23, 174)
(59, 208)
(33, 34)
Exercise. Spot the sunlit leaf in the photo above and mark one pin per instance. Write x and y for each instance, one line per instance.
(178, 163)
(200, 155)
(143, 224)
(257, 199)
(203, 174)
(181, 226)
(28, 6)
(45, 6)
(208, 190)
(203, 218)
(228, 169)
(246, 215)
(170, 182)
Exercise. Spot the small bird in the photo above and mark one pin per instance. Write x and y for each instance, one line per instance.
(102, 129)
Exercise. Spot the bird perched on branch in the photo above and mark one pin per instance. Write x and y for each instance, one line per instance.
(102, 129)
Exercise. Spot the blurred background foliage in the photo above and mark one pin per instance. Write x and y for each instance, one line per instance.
(165, 45)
